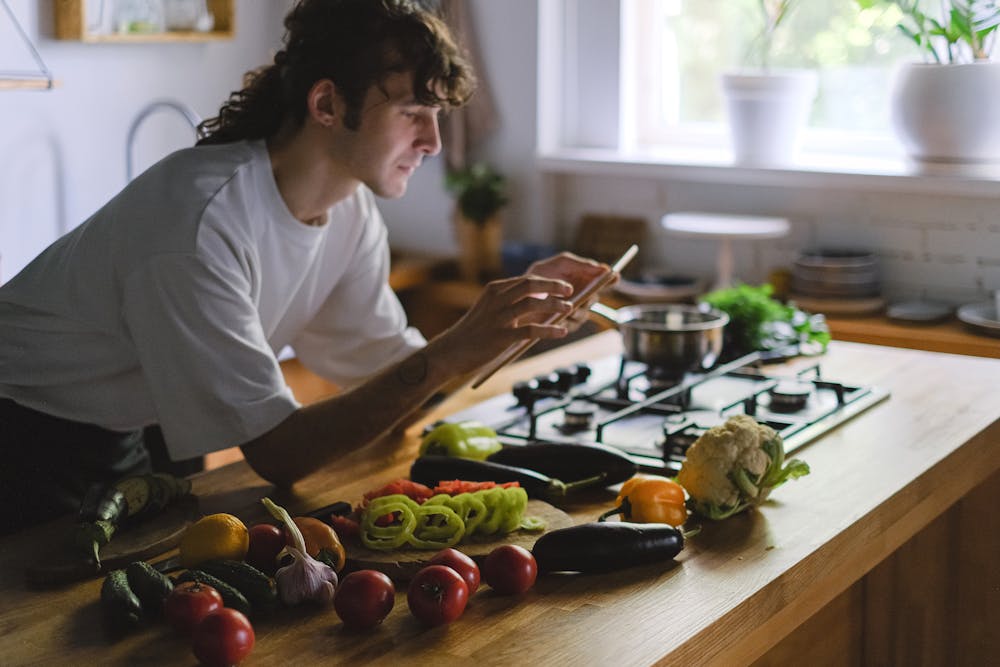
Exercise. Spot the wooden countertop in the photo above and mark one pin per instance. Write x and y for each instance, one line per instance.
(736, 589)
(949, 336)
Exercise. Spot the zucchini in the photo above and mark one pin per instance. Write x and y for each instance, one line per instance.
(569, 461)
(606, 546)
(258, 588)
(122, 608)
(231, 597)
(149, 585)
(430, 470)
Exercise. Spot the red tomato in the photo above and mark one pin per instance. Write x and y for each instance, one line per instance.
(223, 638)
(437, 595)
(510, 569)
(364, 598)
(266, 540)
(188, 603)
(461, 563)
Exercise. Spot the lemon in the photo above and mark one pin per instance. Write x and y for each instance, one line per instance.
(214, 537)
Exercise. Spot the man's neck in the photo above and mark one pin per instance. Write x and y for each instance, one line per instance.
(307, 178)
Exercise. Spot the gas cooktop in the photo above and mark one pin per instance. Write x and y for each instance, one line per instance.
(653, 419)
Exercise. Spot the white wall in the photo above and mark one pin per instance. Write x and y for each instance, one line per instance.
(62, 152)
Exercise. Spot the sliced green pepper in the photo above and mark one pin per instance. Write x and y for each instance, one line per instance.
(466, 440)
(443, 520)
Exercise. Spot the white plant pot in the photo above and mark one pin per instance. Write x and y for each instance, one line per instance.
(948, 113)
(767, 112)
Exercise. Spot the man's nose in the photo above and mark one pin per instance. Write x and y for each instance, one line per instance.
(429, 140)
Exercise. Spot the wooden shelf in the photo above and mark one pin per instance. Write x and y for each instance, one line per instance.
(71, 24)
(950, 336)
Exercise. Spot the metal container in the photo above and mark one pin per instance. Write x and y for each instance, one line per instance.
(674, 339)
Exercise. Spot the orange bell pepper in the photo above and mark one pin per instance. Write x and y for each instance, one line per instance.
(650, 500)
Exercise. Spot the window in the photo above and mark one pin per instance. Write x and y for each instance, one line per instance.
(643, 75)
(678, 48)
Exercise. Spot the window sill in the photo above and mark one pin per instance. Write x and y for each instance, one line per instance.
(811, 171)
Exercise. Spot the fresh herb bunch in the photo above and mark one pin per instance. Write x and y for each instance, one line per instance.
(480, 190)
(759, 322)
(963, 29)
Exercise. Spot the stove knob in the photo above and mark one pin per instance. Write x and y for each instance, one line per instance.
(526, 392)
(567, 378)
(549, 382)
(582, 373)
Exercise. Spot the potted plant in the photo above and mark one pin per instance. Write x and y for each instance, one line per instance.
(480, 194)
(946, 108)
(767, 107)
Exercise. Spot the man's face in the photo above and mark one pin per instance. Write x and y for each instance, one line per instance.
(395, 134)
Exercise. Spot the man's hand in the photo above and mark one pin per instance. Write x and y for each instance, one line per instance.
(577, 271)
(516, 309)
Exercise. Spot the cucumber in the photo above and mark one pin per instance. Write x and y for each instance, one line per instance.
(258, 588)
(149, 585)
(127, 500)
(137, 494)
(90, 537)
(231, 597)
(122, 608)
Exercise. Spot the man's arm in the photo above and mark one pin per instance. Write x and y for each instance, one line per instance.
(317, 434)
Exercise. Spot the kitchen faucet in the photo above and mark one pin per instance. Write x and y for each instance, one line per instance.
(184, 110)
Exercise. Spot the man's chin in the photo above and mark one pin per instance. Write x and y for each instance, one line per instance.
(392, 191)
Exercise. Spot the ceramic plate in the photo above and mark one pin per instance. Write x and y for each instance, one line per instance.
(921, 312)
(981, 318)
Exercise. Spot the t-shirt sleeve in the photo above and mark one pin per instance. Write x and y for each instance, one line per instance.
(361, 327)
(213, 378)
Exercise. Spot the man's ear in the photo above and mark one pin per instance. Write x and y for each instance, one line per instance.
(324, 103)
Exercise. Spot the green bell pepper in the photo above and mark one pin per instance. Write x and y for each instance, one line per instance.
(467, 440)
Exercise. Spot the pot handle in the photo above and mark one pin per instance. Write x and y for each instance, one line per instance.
(608, 313)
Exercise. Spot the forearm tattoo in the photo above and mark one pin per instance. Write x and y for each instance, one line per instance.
(413, 371)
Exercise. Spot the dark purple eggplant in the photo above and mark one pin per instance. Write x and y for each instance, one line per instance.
(339, 508)
(429, 470)
(606, 546)
(569, 462)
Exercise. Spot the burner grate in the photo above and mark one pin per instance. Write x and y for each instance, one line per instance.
(610, 402)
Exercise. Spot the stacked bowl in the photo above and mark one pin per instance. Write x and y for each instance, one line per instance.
(837, 281)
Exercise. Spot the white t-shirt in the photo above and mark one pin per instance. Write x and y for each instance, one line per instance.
(169, 305)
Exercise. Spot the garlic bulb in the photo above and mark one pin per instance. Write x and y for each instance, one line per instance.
(305, 579)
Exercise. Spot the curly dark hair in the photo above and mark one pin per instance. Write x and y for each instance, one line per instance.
(354, 43)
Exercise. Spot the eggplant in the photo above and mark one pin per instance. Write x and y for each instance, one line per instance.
(339, 508)
(569, 462)
(429, 470)
(606, 546)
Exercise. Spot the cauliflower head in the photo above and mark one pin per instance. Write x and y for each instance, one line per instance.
(734, 466)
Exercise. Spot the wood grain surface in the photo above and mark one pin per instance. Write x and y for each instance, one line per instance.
(56, 562)
(735, 591)
(402, 564)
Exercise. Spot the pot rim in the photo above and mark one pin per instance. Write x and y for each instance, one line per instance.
(628, 316)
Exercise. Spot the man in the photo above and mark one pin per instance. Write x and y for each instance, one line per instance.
(167, 307)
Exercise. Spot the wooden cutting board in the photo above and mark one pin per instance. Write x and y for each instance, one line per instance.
(55, 561)
(402, 564)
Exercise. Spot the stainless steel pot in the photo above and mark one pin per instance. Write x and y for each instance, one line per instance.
(674, 338)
